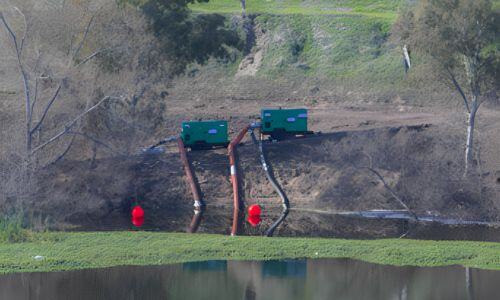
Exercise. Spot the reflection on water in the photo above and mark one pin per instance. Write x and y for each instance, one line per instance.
(297, 279)
(284, 268)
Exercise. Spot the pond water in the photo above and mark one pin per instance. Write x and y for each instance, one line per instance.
(289, 279)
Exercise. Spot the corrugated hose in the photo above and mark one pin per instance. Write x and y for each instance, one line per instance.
(269, 174)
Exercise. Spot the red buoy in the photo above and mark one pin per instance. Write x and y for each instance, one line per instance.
(137, 212)
(137, 222)
(254, 220)
(254, 210)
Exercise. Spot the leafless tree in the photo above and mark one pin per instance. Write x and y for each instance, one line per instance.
(38, 105)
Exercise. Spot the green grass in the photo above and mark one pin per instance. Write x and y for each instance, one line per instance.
(346, 42)
(12, 229)
(377, 8)
(66, 251)
(338, 41)
(336, 47)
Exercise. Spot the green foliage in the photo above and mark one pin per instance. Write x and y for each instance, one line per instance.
(12, 229)
(348, 40)
(491, 53)
(16, 228)
(184, 38)
(459, 34)
(446, 27)
(334, 47)
(66, 251)
(375, 8)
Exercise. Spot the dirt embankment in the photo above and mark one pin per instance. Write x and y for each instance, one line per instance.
(321, 175)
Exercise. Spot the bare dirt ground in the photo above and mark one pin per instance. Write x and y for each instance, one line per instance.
(417, 148)
(418, 151)
(414, 137)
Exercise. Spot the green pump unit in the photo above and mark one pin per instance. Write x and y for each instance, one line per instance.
(205, 134)
(280, 122)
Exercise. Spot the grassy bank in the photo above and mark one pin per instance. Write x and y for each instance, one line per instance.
(342, 47)
(375, 8)
(67, 251)
(340, 50)
(340, 44)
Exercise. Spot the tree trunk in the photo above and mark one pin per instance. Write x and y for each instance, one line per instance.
(243, 8)
(470, 135)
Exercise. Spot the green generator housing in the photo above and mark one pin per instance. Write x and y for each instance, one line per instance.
(284, 121)
(205, 134)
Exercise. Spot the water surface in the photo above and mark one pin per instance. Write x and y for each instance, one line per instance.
(292, 279)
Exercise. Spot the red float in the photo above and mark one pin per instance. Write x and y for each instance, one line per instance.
(254, 220)
(254, 210)
(137, 212)
(137, 222)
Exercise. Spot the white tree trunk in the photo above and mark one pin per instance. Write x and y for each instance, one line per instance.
(406, 56)
(243, 8)
(470, 134)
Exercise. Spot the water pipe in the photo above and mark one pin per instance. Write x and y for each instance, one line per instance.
(284, 199)
(231, 149)
(160, 143)
(195, 189)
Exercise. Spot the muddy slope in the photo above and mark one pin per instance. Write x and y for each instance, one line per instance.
(321, 174)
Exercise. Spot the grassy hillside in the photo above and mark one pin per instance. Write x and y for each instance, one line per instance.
(329, 44)
(336, 46)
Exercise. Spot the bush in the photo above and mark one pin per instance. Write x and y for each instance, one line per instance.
(12, 229)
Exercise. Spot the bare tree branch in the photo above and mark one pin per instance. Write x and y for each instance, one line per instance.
(24, 78)
(25, 29)
(12, 34)
(65, 151)
(389, 188)
(35, 95)
(459, 89)
(46, 110)
(98, 142)
(87, 29)
(56, 94)
(33, 103)
(91, 56)
(381, 178)
(70, 124)
(482, 99)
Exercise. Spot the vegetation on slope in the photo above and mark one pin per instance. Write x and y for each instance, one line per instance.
(340, 43)
(331, 47)
(380, 8)
(66, 251)
(335, 41)
(12, 229)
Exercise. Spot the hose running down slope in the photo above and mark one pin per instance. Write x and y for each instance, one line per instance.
(269, 174)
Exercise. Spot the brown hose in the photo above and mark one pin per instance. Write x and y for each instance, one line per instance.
(234, 178)
(195, 190)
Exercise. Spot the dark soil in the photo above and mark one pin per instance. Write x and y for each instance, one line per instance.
(321, 173)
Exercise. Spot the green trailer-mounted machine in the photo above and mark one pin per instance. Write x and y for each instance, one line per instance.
(282, 123)
(205, 134)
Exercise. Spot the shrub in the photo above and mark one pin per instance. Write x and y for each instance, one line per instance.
(12, 229)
